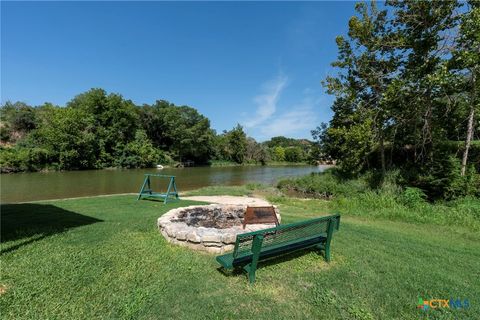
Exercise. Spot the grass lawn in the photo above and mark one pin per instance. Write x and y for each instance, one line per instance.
(104, 258)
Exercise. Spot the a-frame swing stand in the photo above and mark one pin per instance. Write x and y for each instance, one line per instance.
(147, 192)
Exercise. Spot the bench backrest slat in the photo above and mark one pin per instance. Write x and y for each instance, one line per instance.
(283, 234)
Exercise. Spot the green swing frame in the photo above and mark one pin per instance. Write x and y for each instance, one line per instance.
(147, 192)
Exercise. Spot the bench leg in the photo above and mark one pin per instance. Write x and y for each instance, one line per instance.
(252, 267)
(329, 239)
(327, 253)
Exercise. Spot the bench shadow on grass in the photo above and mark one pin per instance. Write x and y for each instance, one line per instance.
(26, 223)
(273, 261)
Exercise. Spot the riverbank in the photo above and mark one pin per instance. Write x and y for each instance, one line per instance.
(216, 163)
(104, 257)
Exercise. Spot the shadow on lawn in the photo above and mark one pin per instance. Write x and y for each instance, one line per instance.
(274, 260)
(32, 222)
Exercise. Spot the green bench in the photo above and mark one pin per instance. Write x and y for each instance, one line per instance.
(252, 247)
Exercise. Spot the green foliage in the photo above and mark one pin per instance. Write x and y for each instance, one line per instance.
(443, 179)
(23, 159)
(113, 122)
(184, 132)
(399, 99)
(237, 143)
(325, 185)
(140, 153)
(294, 154)
(292, 150)
(413, 197)
(98, 130)
(256, 152)
(16, 119)
(69, 136)
(279, 153)
(357, 143)
(387, 200)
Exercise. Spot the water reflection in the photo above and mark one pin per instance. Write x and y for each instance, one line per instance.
(53, 185)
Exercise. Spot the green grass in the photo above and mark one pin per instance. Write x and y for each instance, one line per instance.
(250, 189)
(104, 258)
(388, 201)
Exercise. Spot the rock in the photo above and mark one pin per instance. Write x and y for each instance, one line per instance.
(212, 237)
(181, 235)
(229, 238)
(193, 237)
(212, 244)
(228, 247)
(171, 231)
(215, 250)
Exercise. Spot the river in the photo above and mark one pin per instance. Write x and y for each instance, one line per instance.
(20, 187)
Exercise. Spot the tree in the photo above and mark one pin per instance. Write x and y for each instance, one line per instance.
(255, 152)
(115, 121)
(466, 63)
(69, 136)
(140, 153)
(424, 39)
(16, 120)
(367, 66)
(406, 86)
(294, 154)
(181, 130)
(237, 143)
(279, 153)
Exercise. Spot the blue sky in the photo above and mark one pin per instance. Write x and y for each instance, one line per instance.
(259, 64)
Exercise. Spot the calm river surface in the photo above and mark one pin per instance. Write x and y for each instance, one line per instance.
(21, 187)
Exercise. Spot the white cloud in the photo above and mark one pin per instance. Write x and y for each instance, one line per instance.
(301, 117)
(267, 101)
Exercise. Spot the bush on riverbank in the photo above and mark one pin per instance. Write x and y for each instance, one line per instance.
(364, 196)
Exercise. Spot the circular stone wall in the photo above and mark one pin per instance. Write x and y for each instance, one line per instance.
(211, 228)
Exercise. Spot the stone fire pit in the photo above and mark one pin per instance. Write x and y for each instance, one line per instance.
(211, 228)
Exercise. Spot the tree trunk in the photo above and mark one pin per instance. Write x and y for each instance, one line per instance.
(382, 153)
(468, 139)
(469, 127)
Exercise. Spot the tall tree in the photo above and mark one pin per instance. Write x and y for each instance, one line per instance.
(367, 64)
(115, 121)
(237, 142)
(466, 63)
(423, 30)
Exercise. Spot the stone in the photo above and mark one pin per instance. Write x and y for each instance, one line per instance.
(171, 230)
(212, 244)
(228, 247)
(181, 235)
(212, 237)
(215, 250)
(229, 237)
(194, 237)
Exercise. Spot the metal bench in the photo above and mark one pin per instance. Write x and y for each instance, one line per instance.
(252, 247)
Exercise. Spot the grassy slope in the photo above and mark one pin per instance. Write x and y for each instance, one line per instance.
(121, 267)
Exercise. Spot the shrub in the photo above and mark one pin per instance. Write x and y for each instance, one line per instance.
(413, 197)
(140, 153)
(294, 154)
(324, 185)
